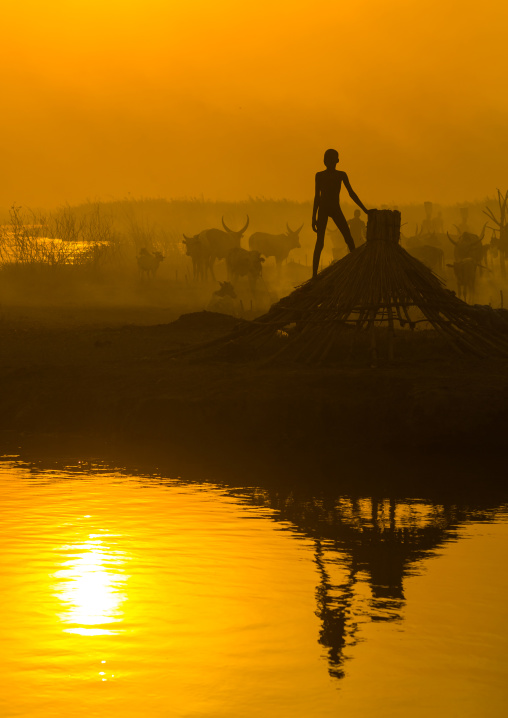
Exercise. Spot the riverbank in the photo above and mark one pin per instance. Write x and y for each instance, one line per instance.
(117, 381)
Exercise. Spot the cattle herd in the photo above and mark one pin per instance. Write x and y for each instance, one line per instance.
(467, 254)
(213, 244)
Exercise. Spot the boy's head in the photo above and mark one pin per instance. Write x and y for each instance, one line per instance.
(357, 213)
(331, 158)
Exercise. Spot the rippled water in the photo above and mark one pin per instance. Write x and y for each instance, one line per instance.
(127, 595)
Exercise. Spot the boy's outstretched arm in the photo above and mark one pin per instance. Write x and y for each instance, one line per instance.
(353, 194)
(316, 206)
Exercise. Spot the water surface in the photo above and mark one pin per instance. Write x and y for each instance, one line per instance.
(146, 595)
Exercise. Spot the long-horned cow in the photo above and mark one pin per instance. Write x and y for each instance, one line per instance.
(276, 245)
(469, 246)
(421, 238)
(221, 242)
(211, 244)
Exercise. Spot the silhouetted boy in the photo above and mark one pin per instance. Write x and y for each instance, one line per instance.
(327, 204)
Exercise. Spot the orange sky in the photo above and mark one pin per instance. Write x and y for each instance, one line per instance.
(165, 98)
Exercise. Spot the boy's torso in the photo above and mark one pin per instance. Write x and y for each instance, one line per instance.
(329, 183)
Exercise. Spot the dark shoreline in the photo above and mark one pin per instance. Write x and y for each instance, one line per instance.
(117, 386)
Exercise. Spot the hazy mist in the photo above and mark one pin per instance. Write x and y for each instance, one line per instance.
(227, 101)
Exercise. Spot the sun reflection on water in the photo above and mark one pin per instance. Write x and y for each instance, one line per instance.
(91, 586)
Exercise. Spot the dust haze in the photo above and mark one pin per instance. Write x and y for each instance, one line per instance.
(195, 99)
(131, 260)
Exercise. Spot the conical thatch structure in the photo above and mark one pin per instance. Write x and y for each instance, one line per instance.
(377, 285)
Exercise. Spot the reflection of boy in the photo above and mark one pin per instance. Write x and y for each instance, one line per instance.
(358, 228)
(327, 204)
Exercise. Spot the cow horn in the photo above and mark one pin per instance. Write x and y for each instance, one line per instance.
(451, 240)
(483, 232)
(187, 238)
(241, 231)
(458, 229)
(295, 231)
(225, 226)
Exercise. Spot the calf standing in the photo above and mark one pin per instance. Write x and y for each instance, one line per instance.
(242, 263)
(148, 264)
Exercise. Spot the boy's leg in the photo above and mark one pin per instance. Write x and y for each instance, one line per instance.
(343, 226)
(322, 221)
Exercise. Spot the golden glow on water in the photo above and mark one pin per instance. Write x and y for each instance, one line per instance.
(92, 588)
(137, 596)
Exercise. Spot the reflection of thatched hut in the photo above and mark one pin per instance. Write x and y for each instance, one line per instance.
(377, 285)
(373, 541)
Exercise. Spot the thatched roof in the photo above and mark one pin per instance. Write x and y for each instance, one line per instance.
(379, 284)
